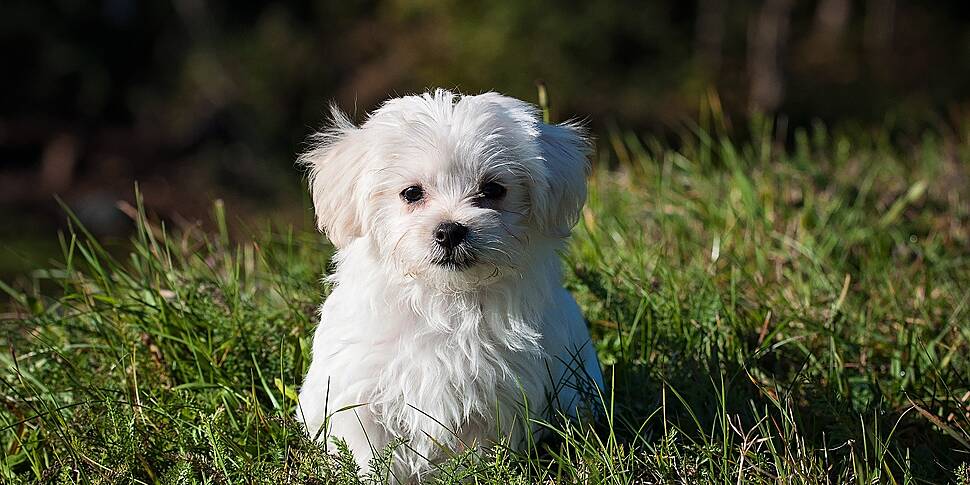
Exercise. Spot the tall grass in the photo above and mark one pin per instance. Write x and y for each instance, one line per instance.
(763, 316)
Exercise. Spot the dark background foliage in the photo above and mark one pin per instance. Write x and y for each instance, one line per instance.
(199, 99)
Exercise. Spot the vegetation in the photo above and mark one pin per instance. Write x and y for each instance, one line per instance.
(763, 316)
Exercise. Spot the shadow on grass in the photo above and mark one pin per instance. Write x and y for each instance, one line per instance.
(716, 409)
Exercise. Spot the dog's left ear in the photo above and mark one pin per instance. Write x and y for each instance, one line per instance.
(565, 149)
(559, 182)
(335, 163)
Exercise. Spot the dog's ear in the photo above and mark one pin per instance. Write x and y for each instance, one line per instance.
(564, 150)
(334, 165)
(559, 187)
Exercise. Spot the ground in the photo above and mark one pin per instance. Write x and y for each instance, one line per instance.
(763, 315)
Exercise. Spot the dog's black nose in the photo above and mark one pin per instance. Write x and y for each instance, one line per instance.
(450, 234)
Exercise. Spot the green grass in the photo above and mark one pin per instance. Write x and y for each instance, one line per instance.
(763, 317)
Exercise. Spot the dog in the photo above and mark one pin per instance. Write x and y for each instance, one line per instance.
(448, 327)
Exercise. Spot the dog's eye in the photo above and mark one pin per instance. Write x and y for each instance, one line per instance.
(412, 194)
(492, 191)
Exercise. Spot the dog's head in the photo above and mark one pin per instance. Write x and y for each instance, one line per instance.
(451, 189)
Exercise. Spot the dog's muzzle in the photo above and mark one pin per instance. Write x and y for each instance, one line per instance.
(451, 238)
(450, 234)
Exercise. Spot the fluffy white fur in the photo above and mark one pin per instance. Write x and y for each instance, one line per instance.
(437, 356)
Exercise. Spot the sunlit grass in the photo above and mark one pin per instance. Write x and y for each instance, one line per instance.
(763, 317)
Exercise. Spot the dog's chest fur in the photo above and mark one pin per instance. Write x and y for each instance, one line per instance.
(464, 363)
(440, 370)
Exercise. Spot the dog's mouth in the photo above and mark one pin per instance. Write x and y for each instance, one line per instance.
(455, 262)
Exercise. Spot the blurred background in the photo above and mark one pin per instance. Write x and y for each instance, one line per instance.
(203, 99)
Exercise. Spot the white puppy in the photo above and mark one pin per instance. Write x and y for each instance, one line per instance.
(448, 323)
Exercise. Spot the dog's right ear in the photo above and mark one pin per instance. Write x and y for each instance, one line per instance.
(334, 165)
